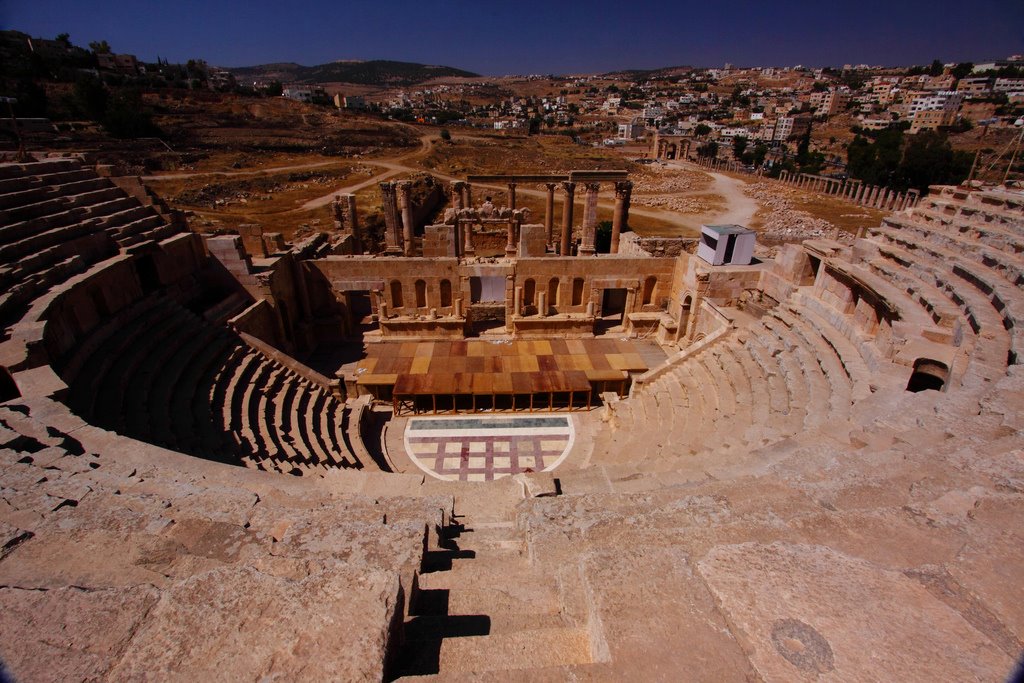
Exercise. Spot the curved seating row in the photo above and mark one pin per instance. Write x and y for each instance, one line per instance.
(161, 374)
(57, 217)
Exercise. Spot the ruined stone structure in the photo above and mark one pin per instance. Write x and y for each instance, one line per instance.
(853, 191)
(669, 145)
(823, 479)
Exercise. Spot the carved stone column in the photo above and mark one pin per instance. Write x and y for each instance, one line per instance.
(405, 202)
(570, 194)
(467, 195)
(510, 245)
(623, 192)
(549, 212)
(589, 219)
(467, 228)
(457, 193)
(392, 234)
(512, 196)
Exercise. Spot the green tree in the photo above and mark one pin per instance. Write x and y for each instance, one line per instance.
(803, 148)
(739, 145)
(936, 68)
(760, 152)
(701, 130)
(64, 39)
(445, 135)
(100, 47)
(708, 150)
(89, 97)
(929, 159)
(32, 101)
(127, 116)
(963, 70)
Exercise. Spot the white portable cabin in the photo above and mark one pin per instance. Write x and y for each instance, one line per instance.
(726, 245)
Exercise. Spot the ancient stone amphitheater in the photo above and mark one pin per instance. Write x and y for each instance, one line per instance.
(826, 484)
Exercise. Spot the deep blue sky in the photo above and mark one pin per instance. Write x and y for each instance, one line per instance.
(553, 36)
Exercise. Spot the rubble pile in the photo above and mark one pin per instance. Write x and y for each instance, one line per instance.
(673, 203)
(781, 221)
(669, 182)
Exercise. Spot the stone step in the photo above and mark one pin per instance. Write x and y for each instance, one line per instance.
(433, 628)
(516, 651)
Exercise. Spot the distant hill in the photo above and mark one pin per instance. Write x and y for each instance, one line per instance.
(373, 72)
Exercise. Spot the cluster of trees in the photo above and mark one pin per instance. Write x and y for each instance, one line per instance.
(750, 157)
(965, 69)
(121, 112)
(902, 162)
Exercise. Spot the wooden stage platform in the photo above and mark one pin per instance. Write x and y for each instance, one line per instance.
(475, 375)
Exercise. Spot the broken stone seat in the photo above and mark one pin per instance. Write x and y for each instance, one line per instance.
(71, 198)
(990, 346)
(1003, 296)
(39, 193)
(941, 310)
(824, 391)
(986, 229)
(742, 390)
(910, 318)
(45, 178)
(967, 287)
(1008, 262)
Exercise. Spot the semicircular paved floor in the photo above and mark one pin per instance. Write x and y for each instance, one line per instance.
(488, 447)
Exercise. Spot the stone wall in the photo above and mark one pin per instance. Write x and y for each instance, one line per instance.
(399, 277)
(596, 274)
(632, 244)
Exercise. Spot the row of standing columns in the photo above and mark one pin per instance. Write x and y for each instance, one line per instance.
(717, 164)
(462, 198)
(397, 200)
(853, 191)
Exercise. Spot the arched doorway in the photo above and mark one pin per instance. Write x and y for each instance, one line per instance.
(684, 317)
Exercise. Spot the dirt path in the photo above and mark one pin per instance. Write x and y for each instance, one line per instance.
(400, 165)
(392, 168)
(255, 171)
(740, 208)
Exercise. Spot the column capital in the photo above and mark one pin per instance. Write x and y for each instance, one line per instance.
(569, 187)
(623, 189)
(592, 187)
(551, 186)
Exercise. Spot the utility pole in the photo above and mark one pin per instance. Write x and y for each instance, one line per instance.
(11, 101)
(1013, 157)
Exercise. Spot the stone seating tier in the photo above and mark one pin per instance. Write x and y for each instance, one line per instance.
(57, 217)
(167, 377)
(786, 375)
(1001, 294)
(89, 508)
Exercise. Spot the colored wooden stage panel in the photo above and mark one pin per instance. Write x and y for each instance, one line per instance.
(449, 384)
(475, 356)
